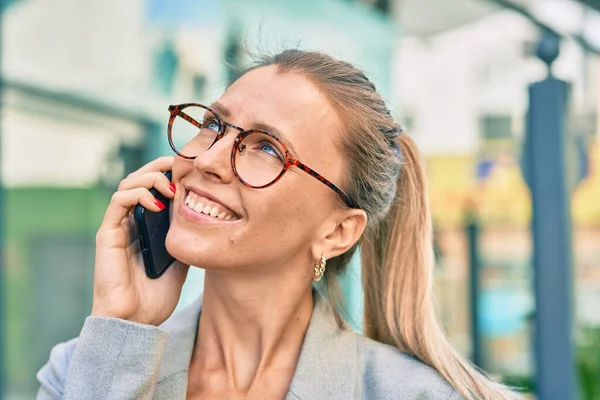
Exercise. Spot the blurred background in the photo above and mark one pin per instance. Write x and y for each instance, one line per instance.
(85, 90)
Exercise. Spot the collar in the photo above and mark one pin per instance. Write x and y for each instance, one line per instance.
(326, 367)
(182, 328)
(328, 359)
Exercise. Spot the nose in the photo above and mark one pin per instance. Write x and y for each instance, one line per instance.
(215, 163)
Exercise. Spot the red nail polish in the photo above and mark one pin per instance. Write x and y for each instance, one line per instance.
(159, 204)
(172, 187)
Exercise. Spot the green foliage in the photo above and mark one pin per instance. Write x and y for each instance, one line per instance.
(523, 384)
(588, 363)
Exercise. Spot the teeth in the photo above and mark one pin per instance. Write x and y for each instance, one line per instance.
(213, 211)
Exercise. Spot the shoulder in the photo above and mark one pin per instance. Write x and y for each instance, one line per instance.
(388, 373)
(97, 340)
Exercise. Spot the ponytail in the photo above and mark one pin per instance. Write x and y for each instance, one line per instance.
(397, 270)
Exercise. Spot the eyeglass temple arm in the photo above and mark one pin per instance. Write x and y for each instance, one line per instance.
(347, 199)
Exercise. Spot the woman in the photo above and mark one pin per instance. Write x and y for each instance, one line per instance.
(247, 209)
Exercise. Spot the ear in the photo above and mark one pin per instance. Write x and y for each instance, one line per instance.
(339, 237)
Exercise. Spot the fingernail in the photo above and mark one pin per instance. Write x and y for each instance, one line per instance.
(172, 187)
(159, 204)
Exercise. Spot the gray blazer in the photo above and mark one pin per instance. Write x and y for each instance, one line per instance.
(117, 359)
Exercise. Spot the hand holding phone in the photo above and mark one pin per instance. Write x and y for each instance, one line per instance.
(122, 288)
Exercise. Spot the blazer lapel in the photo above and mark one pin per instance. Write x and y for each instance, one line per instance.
(182, 327)
(327, 364)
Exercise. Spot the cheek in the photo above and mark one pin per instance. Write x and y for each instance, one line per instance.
(281, 224)
(180, 168)
(277, 217)
(290, 215)
(276, 228)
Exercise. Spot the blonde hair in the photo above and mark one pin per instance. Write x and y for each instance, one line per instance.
(386, 179)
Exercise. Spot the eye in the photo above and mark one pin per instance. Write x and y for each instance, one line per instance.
(211, 123)
(270, 149)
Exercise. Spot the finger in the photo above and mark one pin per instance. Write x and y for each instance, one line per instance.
(123, 201)
(148, 181)
(161, 164)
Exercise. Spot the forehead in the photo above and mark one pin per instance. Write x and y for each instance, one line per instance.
(288, 101)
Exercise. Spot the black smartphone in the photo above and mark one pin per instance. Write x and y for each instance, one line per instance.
(152, 228)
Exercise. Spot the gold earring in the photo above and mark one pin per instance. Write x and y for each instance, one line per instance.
(319, 268)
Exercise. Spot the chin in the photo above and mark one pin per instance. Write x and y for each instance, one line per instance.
(179, 243)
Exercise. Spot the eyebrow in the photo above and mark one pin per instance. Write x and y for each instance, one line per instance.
(223, 111)
(220, 109)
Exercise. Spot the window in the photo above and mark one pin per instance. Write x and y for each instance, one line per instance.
(496, 127)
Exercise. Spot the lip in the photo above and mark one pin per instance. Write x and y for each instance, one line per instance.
(187, 212)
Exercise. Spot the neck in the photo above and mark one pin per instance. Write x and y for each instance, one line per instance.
(250, 325)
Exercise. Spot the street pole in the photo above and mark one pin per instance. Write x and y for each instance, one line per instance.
(2, 227)
(551, 230)
(472, 231)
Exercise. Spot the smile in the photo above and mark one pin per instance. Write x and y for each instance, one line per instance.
(202, 205)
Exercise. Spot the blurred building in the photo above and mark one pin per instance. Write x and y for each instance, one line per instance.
(463, 96)
(86, 89)
(71, 126)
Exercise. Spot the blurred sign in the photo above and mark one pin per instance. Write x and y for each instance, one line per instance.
(484, 169)
(503, 311)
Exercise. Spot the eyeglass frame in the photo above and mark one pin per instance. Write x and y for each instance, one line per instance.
(290, 161)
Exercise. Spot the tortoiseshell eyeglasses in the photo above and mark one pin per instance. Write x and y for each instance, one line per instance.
(258, 158)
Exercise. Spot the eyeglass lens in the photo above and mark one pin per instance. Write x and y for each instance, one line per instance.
(259, 158)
